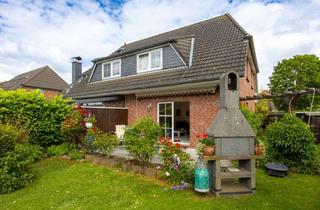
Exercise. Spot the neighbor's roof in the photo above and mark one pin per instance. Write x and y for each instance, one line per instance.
(220, 45)
(43, 77)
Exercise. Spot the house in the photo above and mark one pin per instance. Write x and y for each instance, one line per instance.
(172, 77)
(44, 78)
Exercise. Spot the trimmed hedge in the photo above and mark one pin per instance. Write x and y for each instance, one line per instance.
(41, 117)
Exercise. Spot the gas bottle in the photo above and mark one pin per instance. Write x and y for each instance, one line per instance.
(201, 182)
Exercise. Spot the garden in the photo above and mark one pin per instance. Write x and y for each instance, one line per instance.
(44, 144)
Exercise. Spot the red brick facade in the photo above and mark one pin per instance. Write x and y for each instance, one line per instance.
(46, 92)
(202, 108)
(248, 86)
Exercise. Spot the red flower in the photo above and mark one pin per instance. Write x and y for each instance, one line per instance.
(205, 136)
(178, 146)
(198, 136)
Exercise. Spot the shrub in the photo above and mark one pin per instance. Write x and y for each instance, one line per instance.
(105, 143)
(255, 121)
(178, 167)
(9, 135)
(40, 116)
(17, 167)
(291, 141)
(62, 149)
(76, 155)
(140, 139)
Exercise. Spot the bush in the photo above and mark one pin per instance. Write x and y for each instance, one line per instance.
(105, 143)
(76, 155)
(291, 141)
(40, 116)
(178, 167)
(62, 149)
(9, 135)
(140, 139)
(255, 121)
(17, 167)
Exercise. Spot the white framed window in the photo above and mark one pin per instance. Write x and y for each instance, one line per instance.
(148, 61)
(111, 69)
(166, 118)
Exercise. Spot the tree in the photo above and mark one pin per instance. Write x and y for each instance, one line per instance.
(299, 72)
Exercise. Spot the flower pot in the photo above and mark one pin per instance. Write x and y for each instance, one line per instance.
(208, 150)
(259, 150)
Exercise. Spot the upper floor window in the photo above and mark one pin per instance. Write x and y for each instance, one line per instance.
(111, 69)
(151, 60)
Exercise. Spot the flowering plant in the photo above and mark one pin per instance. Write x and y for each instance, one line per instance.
(206, 139)
(178, 166)
(74, 127)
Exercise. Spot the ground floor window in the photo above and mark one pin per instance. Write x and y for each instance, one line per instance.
(173, 117)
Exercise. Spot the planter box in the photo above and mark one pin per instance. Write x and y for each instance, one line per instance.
(126, 165)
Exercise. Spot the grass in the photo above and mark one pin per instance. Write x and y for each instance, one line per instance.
(68, 185)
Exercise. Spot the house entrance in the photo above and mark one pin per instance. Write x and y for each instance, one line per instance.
(173, 117)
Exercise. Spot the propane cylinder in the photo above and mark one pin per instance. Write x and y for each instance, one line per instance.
(201, 182)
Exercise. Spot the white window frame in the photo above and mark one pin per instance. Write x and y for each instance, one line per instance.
(111, 69)
(149, 60)
(172, 117)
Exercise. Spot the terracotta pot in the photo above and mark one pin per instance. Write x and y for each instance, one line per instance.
(259, 150)
(208, 150)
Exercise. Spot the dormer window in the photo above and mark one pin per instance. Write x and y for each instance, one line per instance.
(148, 61)
(111, 69)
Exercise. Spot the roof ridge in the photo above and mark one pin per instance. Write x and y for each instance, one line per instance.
(237, 25)
(210, 19)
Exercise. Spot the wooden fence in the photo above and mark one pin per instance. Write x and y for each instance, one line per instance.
(108, 117)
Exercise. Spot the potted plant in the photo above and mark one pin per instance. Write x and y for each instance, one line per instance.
(208, 144)
(259, 148)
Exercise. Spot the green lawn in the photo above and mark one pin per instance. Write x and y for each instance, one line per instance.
(79, 185)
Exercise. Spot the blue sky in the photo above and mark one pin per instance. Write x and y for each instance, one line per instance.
(36, 33)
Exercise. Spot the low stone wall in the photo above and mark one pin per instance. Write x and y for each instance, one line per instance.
(152, 170)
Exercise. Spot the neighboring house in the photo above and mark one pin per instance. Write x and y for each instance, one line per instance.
(172, 77)
(43, 78)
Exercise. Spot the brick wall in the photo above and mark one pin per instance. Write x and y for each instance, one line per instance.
(47, 93)
(203, 109)
(248, 86)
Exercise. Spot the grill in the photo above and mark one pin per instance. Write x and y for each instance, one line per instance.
(234, 139)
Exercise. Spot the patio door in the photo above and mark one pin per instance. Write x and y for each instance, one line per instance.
(166, 118)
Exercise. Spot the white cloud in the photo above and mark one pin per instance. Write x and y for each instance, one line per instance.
(42, 33)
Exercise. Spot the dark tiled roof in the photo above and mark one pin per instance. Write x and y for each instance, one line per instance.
(43, 77)
(220, 45)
